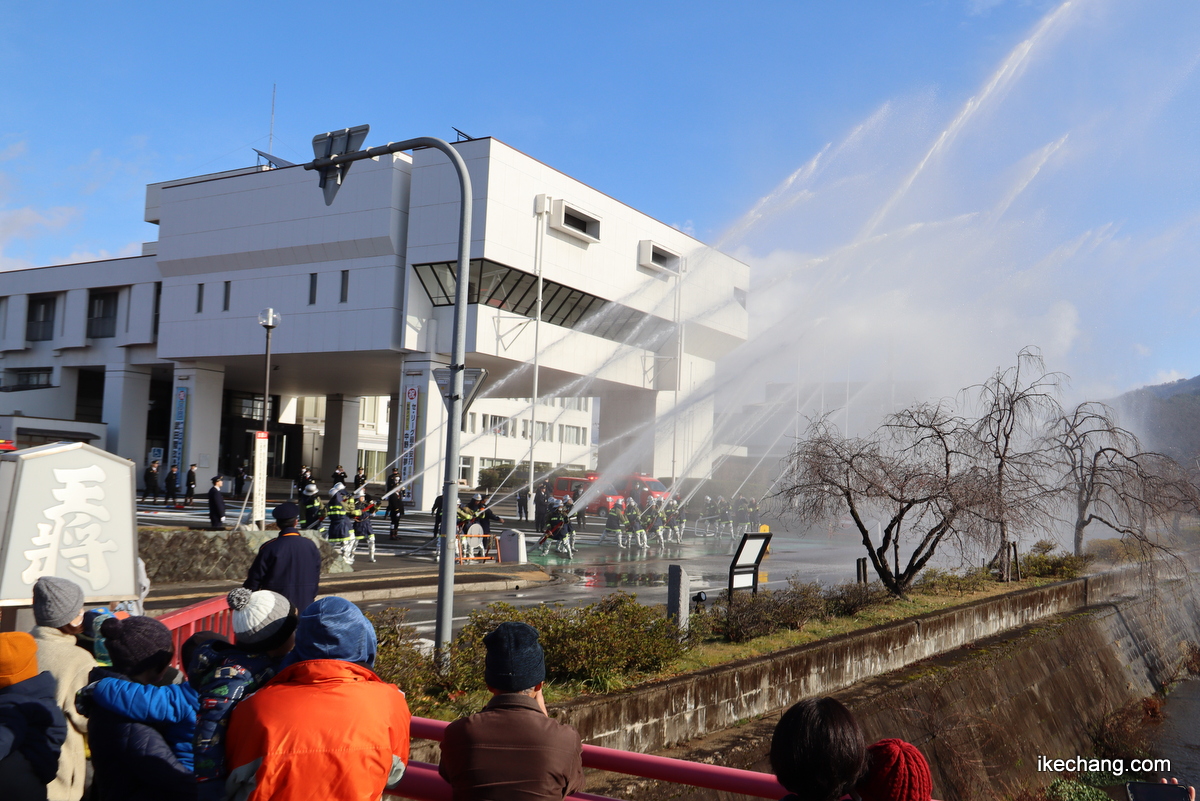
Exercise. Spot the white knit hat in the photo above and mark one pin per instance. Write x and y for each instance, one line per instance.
(259, 616)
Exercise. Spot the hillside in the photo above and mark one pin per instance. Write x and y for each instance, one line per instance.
(1166, 417)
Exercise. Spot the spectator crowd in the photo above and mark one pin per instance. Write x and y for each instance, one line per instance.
(90, 706)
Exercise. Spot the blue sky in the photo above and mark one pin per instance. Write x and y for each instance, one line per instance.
(694, 112)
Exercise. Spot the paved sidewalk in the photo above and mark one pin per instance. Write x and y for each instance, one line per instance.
(368, 582)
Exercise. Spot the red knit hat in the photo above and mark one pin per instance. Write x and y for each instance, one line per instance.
(896, 771)
(18, 657)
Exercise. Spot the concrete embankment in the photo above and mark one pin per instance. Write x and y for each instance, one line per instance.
(1002, 682)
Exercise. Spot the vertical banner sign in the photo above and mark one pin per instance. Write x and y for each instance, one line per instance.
(178, 423)
(259, 502)
(409, 459)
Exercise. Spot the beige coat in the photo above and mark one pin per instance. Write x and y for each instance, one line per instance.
(70, 665)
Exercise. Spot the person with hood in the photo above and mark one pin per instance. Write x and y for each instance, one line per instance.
(225, 674)
(132, 759)
(58, 612)
(32, 727)
(290, 564)
(326, 726)
(512, 750)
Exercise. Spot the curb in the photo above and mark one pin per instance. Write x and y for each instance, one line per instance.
(392, 593)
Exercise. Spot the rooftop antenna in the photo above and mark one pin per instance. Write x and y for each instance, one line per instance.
(462, 137)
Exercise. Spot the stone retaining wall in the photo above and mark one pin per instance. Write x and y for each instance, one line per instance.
(175, 555)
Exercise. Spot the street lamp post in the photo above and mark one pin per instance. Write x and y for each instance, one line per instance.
(268, 319)
(333, 169)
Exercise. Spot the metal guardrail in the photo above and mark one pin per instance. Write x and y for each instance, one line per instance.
(421, 780)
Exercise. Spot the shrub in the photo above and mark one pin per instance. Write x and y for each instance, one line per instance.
(1071, 790)
(1048, 565)
(746, 616)
(946, 582)
(799, 603)
(399, 659)
(1119, 551)
(1125, 732)
(847, 600)
(599, 644)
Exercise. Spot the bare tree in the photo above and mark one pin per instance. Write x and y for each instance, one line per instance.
(1108, 479)
(1014, 406)
(912, 475)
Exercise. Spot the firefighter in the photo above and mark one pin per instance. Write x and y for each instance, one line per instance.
(339, 534)
(633, 523)
(741, 515)
(754, 513)
(671, 515)
(580, 511)
(464, 518)
(615, 524)
(724, 517)
(364, 510)
(314, 510)
(395, 499)
(710, 516)
(652, 520)
(558, 528)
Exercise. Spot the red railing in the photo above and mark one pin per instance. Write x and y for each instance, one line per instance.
(421, 780)
(211, 615)
(678, 771)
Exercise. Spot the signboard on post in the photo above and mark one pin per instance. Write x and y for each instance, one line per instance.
(743, 570)
(258, 510)
(67, 510)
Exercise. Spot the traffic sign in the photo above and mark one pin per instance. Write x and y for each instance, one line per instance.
(337, 143)
(473, 378)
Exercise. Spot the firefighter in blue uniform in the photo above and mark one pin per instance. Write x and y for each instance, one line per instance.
(339, 534)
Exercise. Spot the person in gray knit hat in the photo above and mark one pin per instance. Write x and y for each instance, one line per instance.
(263, 620)
(512, 749)
(58, 612)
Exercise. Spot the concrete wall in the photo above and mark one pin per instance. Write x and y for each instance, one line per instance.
(654, 717)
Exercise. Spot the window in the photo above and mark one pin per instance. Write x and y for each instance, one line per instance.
(545, 432)
(495, 424)
(39, 326)
(466, 466)
(493, 284)
(472, 416)
(572, 435)
(312, 289)
(345, 286)
(102, 314)
(157, 304)
(199, 298)
(225, 301)
(33, 378)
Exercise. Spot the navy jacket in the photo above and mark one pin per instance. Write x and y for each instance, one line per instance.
(32, 724)
(290, 565)
(132, 760)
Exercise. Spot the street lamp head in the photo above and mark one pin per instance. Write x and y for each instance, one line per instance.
(268, 318)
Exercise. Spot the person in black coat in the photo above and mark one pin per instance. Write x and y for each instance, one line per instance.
(290, 564)
(239, 481)
(189, 496)
(216, 505)
(150, 482)
(339, 475)
(171, 486)
(436, 509)
(32, 726)
(132, 760)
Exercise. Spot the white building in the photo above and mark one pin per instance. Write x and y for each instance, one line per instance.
(165, 349)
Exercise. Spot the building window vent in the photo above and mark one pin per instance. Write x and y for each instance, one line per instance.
(225, 301)
(657, 258)
(312, 289)
(574, 222)
(102, 314)
(199, 298)
(345, 286)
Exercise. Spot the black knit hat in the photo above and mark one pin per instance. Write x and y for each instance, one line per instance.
(137, 644)
(515, 660)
